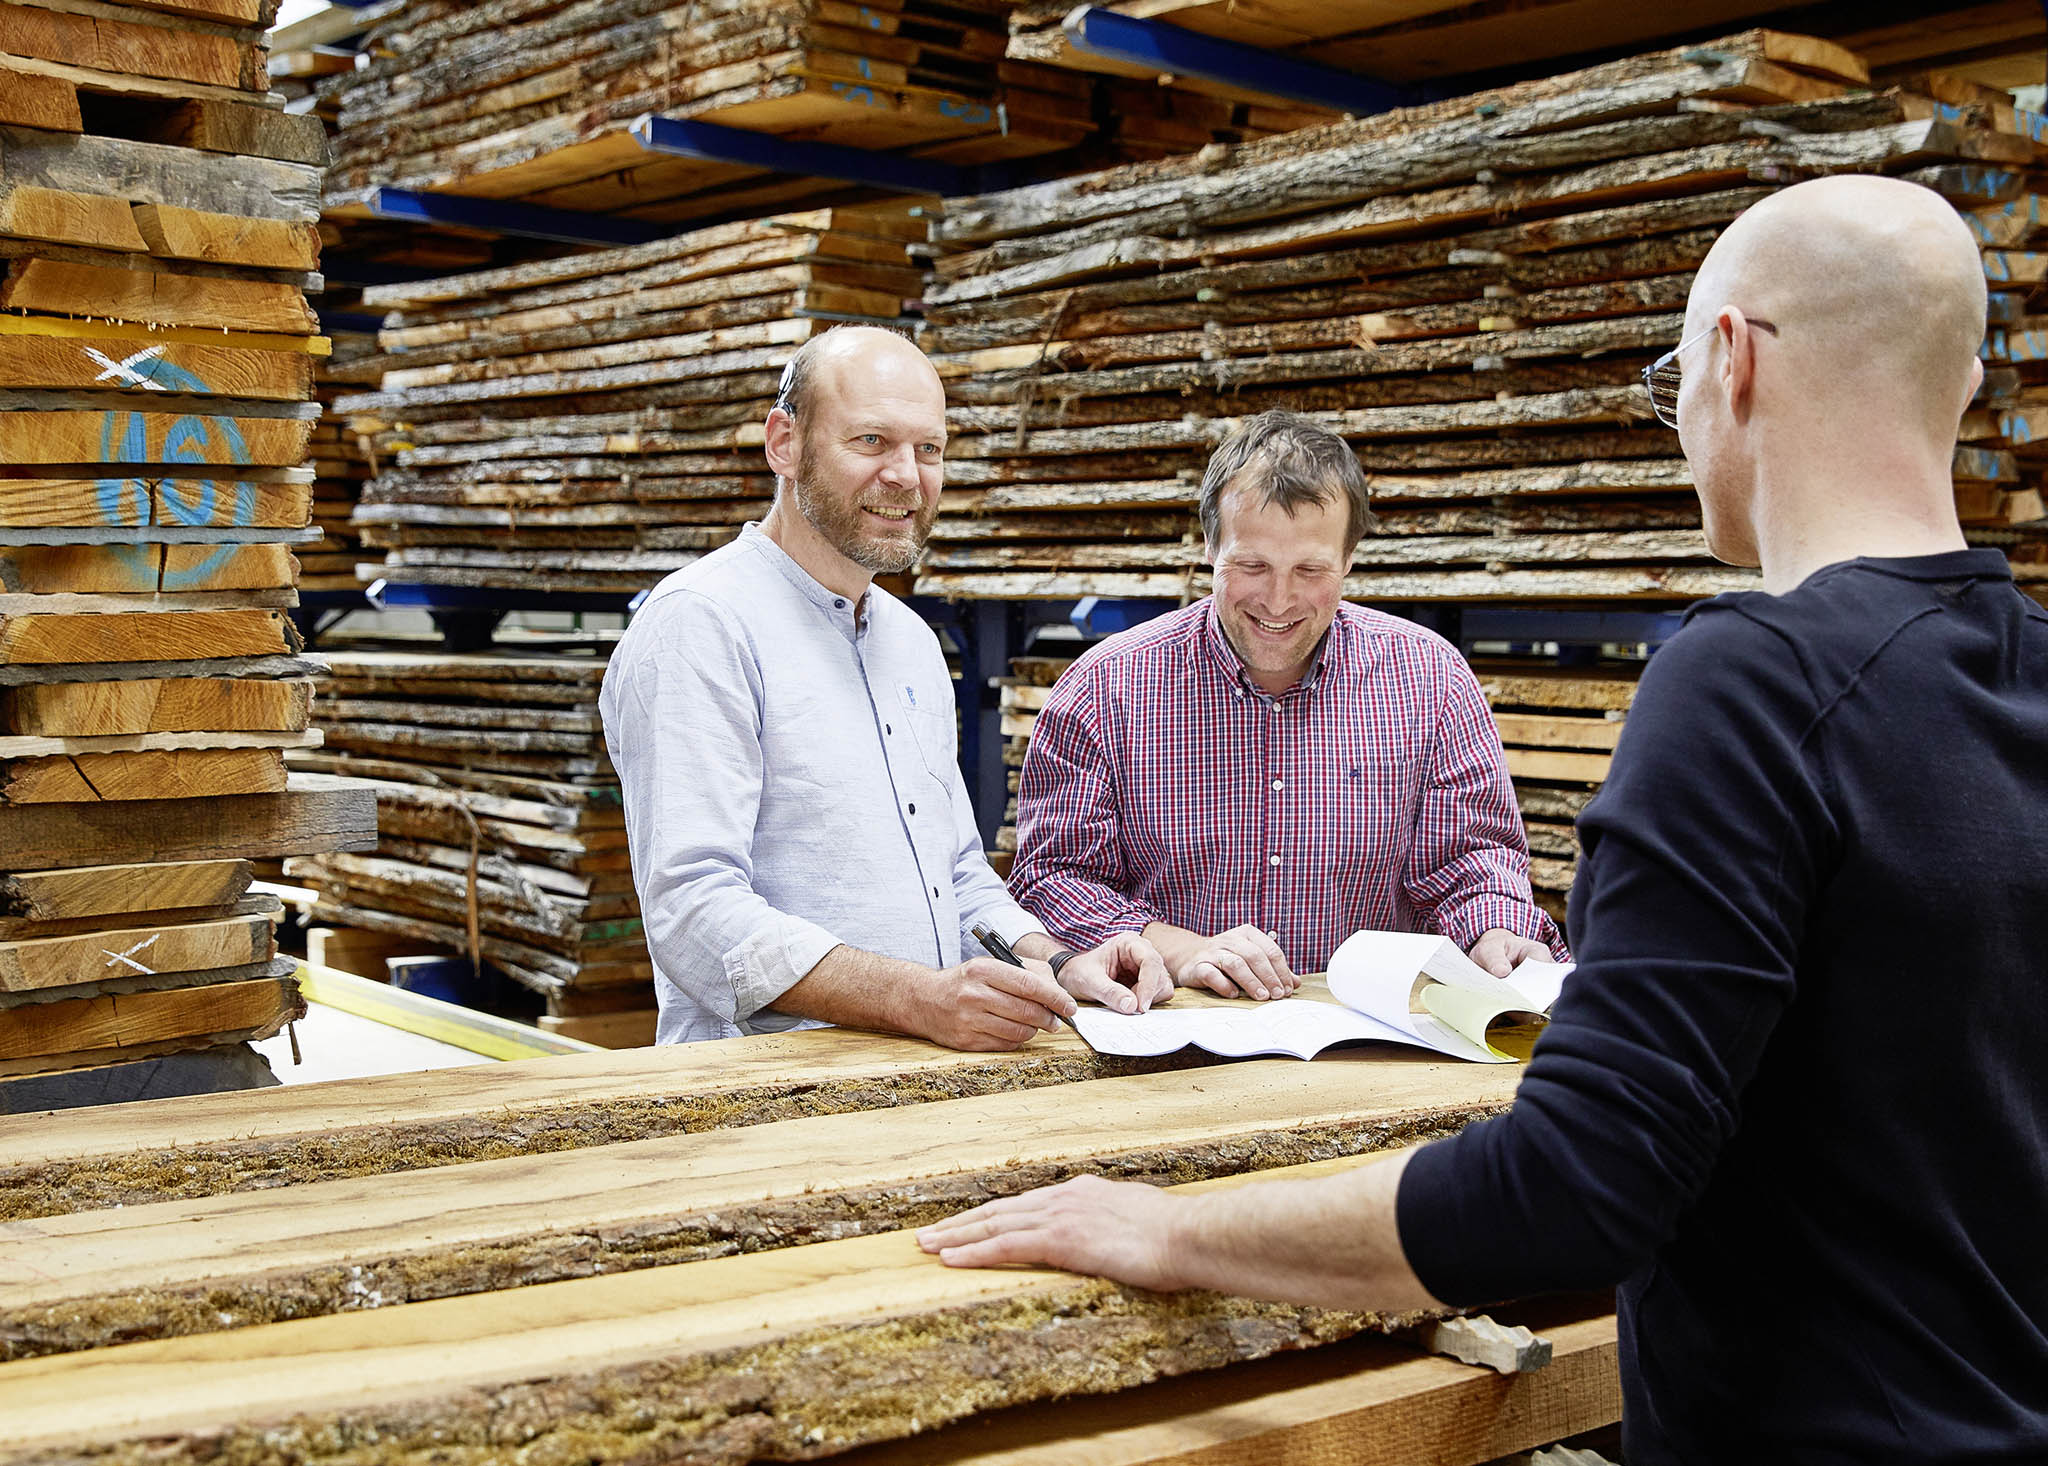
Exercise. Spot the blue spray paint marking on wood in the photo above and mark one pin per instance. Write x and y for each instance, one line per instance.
(191, 438)
(851, 93)
(965, 110)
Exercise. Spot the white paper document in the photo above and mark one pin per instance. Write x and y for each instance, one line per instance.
(1375, 975)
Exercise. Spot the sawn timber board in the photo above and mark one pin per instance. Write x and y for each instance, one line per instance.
(178, 1267)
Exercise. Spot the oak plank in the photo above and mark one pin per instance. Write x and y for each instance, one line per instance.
(83, 437)
(126, 1020)
(66, 895)
(51, 962)
(193, 234)
(312, 814)
(158, 297)
(153, 775)
(42, 102)
(430, 1365)
(156, 705)
(143, 636)
(142, 364)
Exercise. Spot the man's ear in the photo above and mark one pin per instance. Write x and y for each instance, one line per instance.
(1738, 360)
(778, 442)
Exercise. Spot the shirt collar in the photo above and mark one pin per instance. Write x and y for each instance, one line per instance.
(845, 615)
(1230, 666)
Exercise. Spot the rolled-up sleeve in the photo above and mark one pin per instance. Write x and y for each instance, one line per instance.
(682, 716)
(1469, 863)
(1070, 869)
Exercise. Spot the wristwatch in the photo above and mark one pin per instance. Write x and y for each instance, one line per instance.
(1060, 959)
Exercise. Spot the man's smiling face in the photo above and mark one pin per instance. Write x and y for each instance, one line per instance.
(1279, 578)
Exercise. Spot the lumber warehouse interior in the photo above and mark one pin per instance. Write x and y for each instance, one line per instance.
(365, 367)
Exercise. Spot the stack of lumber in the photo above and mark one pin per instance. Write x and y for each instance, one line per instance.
(341, 465)
(1465, 291)
(700, 1254)
(535, 100)
(156, 363)
(1431, 41)
(1558, 727)
(501, 832)
(593, 422)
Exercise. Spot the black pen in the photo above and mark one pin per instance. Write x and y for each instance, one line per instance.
(996, 946)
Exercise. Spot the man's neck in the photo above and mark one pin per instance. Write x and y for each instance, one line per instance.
(795, 537)
(1826, 494)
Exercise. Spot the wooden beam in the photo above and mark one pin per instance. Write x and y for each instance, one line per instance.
(156, 297)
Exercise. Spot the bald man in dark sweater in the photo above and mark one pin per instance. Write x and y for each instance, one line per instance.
(1792, 1099)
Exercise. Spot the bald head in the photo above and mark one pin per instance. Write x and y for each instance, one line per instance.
(1877, 292)
(861, 358)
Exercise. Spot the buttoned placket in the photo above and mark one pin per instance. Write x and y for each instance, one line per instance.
(904, 763)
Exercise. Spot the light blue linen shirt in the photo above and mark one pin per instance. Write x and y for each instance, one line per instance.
(791, 784)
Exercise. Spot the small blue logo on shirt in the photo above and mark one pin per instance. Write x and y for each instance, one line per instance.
(910, 694)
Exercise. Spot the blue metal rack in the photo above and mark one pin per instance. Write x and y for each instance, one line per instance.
(898, 172)
(1162, 47)
(527, 221)
(468, 617)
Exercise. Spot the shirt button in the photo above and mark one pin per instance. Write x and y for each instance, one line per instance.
(1278, 782)
(913, 809)
(838, 604)
(1237, 692)
(1274, 934)
(887, 729)
(935, 890)
(1272, 860)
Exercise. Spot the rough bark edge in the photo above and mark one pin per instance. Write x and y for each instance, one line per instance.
(800, 1397)
(555, 1255)
(58, 1188)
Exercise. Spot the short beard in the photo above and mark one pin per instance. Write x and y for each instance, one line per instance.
(840, 526)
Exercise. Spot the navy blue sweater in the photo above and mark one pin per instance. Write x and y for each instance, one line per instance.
(1795, 1097)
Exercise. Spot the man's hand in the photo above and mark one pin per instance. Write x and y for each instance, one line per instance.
(1122, 1230)
(1242, 962)
(1125, 974)
(987, 1005)
(1499, 951)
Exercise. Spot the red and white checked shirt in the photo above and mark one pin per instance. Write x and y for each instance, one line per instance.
(1162, 785)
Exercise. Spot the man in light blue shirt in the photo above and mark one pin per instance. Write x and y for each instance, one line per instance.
(802, 840)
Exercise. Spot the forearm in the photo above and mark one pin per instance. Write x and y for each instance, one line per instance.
(859, 989)
(1331, 1242)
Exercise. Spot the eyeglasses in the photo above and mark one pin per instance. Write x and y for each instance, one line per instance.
(1661, 377)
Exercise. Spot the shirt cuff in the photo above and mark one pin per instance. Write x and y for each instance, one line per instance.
(772, 961)
(1474, 918)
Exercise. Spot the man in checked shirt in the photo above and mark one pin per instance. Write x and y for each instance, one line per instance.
(1250, 780)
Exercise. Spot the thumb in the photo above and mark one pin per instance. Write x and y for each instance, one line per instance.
(1101, 988)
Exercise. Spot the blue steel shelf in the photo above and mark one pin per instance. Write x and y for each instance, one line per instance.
(897, 172)
(527, 221)
(1163, 47)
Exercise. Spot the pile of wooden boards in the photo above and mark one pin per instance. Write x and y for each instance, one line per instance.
(157, 242)
(341, 465)
(501, 833)
(1434, 41)
(700, 1254)
(1558, 727)
(535, 100)
(593, 422)
(1465, 291)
